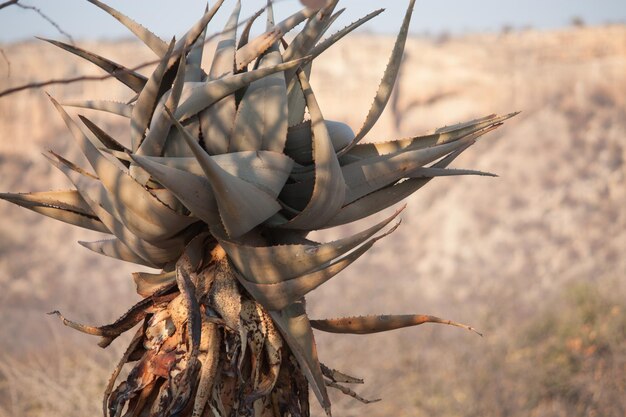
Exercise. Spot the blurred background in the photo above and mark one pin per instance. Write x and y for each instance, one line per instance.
(534, 259)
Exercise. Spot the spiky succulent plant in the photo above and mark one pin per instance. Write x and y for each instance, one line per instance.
(222, 178)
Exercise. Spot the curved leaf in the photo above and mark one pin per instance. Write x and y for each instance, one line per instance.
(261, 121)
(299, 145)
(242, 206)
(140, 211)
(386, 85)
(67, 206)
(438, 137)
(380, 323)
(217, 120)
(167, 250)
(150, 39)
(368, 175)
(204, 95)
(279, 295)
(130, 78)
(386, 197)
(293, 324)
(329, 189)
(114, 248)
(147, 101)
(253, 49)
(121, 109)
(274, 264)
(195, 192)
(265, 169)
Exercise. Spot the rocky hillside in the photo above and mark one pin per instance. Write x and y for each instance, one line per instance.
(534, 258)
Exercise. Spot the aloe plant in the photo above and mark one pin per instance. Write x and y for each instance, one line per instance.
(223, 177)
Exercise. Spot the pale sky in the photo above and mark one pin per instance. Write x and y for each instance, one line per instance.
(173, 17)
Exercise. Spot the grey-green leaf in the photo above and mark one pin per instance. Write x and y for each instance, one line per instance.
(114, 248)
(242, 206)
(299, 144)
(193, 191)
(130, 78)
(147, 101)
(389, 78)
(293, 324)
(329, 189)
(264, 169)
(121, 109)
(438, 137)
(277, 296)
(274, 264)
(261, 121)
(140, 211)
(67, 206)
(387, 196)
(155, 43)
(203, 95)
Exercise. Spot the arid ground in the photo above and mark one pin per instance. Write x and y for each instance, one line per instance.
(536, 259)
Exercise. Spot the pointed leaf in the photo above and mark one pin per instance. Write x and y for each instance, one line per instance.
(295, 96)
(329, 190)
(147, 101)
(386, 85)
(386, 197)
(150, 39)
(204, 95)
(114, 248)
(335, 37)
(242, 206)
(217, 120)
(87, 181)
(121, 109)
(91, 192)
(308, 36)
(140, 211)
(438, 137)
(194, 191)
(274, 264)
(279, 295)
(224, 59)
(379, 323)
(103, 137)
(160, 124)
(253, 49)
(294, 325)
(194, 71)
(130, 78)
(265, 169)
(197, 31)
(368, 175)
(67, 206)
(245, 33)
(261, 121)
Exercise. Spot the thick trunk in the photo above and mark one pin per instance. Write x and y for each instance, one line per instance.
(207, 350)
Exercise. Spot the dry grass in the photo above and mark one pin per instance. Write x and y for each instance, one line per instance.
(534, 258)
